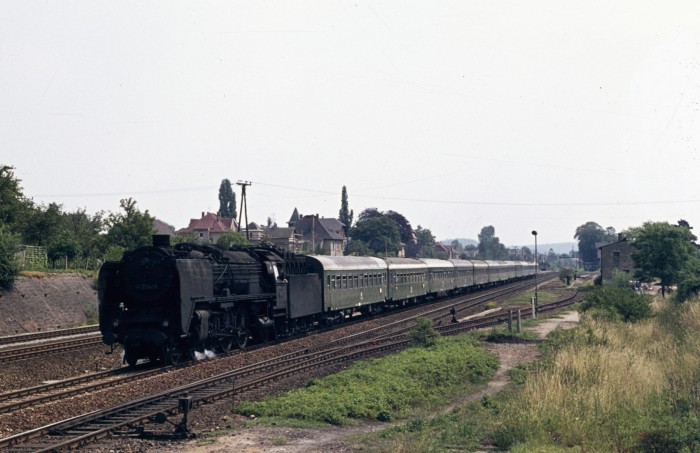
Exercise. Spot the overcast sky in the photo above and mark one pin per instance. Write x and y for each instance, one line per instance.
(458, 114)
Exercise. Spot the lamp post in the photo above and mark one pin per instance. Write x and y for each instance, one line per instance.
(534, 233)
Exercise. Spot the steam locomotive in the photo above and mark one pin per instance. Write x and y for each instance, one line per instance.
(163, 303)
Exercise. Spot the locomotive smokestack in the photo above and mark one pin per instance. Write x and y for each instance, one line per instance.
(161, 240)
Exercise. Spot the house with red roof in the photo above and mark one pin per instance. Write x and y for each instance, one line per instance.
(209, 227)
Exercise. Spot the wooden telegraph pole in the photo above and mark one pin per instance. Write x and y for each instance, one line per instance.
(244, 207)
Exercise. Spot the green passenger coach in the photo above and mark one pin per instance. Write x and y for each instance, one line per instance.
(350, 282)
(408, 279)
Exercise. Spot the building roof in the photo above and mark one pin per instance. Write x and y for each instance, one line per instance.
(320, 228)
(280, 233)
(210, 222)
(294, 218)
(163, 228)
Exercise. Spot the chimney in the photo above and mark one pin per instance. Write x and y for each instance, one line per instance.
(161, 240)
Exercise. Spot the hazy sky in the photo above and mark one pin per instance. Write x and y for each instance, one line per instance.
(458, 114)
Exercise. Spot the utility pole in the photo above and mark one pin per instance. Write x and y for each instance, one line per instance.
(537, 265)
(244, 206)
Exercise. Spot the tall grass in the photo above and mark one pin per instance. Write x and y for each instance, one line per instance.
(613, 386)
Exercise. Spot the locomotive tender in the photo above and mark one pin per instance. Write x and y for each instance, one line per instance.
(163, 303)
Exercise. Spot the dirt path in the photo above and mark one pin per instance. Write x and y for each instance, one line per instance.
(290, 440)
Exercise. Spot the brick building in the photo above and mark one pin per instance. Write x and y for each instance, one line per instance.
(616, 256)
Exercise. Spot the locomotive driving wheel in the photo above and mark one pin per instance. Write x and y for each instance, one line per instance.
(241, 329)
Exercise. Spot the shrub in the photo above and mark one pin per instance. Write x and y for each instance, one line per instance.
(423, 334)
(610, 302)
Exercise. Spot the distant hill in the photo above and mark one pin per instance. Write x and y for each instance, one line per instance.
(462, 241)
(559, 247)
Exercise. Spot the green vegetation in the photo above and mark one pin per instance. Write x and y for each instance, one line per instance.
(590, 234)
(57, 239)
(667, 252)
(612, 386)
(423, 334)
(384, 389)
(490, 247)
(606, 386)
(617, 301)
(8, 264)
(231, 239)
(227, 200)
(345, 214)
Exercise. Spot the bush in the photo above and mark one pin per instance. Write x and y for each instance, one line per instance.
(608, 302)
(423, 334)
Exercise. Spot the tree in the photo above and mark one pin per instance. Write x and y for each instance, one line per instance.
(44, 223)
(405, 230)
(527, 254)
(664, 251)
(379, 233)
(425, 243)
(588, 235)
(406, 234)
(231, 239)
(227, 200)
(8, 264)
(490, 247)
(357, 248)
(369, 213)
(13, 206)
(63, 246)
(131, 229)
(345, 214)
(87, 230)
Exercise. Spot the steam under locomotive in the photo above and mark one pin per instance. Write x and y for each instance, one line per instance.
(164, 303)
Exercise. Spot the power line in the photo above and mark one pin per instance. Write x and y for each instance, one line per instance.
(381, 197)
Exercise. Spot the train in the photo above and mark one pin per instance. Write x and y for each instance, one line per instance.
(164, 303)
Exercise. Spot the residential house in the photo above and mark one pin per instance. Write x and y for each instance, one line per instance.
(286, 238)
(163, 228)
(209, 228)
(442, 251)
(318, 234)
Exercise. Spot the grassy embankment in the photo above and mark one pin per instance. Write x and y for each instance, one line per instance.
(606, 386)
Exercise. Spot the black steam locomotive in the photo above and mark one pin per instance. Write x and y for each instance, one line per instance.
(165, 303)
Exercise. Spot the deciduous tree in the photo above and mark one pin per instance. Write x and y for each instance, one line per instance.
(588, 235)
(8, 264)
(490, 247)
(13, 206)
(664, 251)
(380, 234)
(130, 229)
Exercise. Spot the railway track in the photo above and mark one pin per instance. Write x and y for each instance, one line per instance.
(81, 430)
(33, 336)
(66, 388)
(9, 354)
